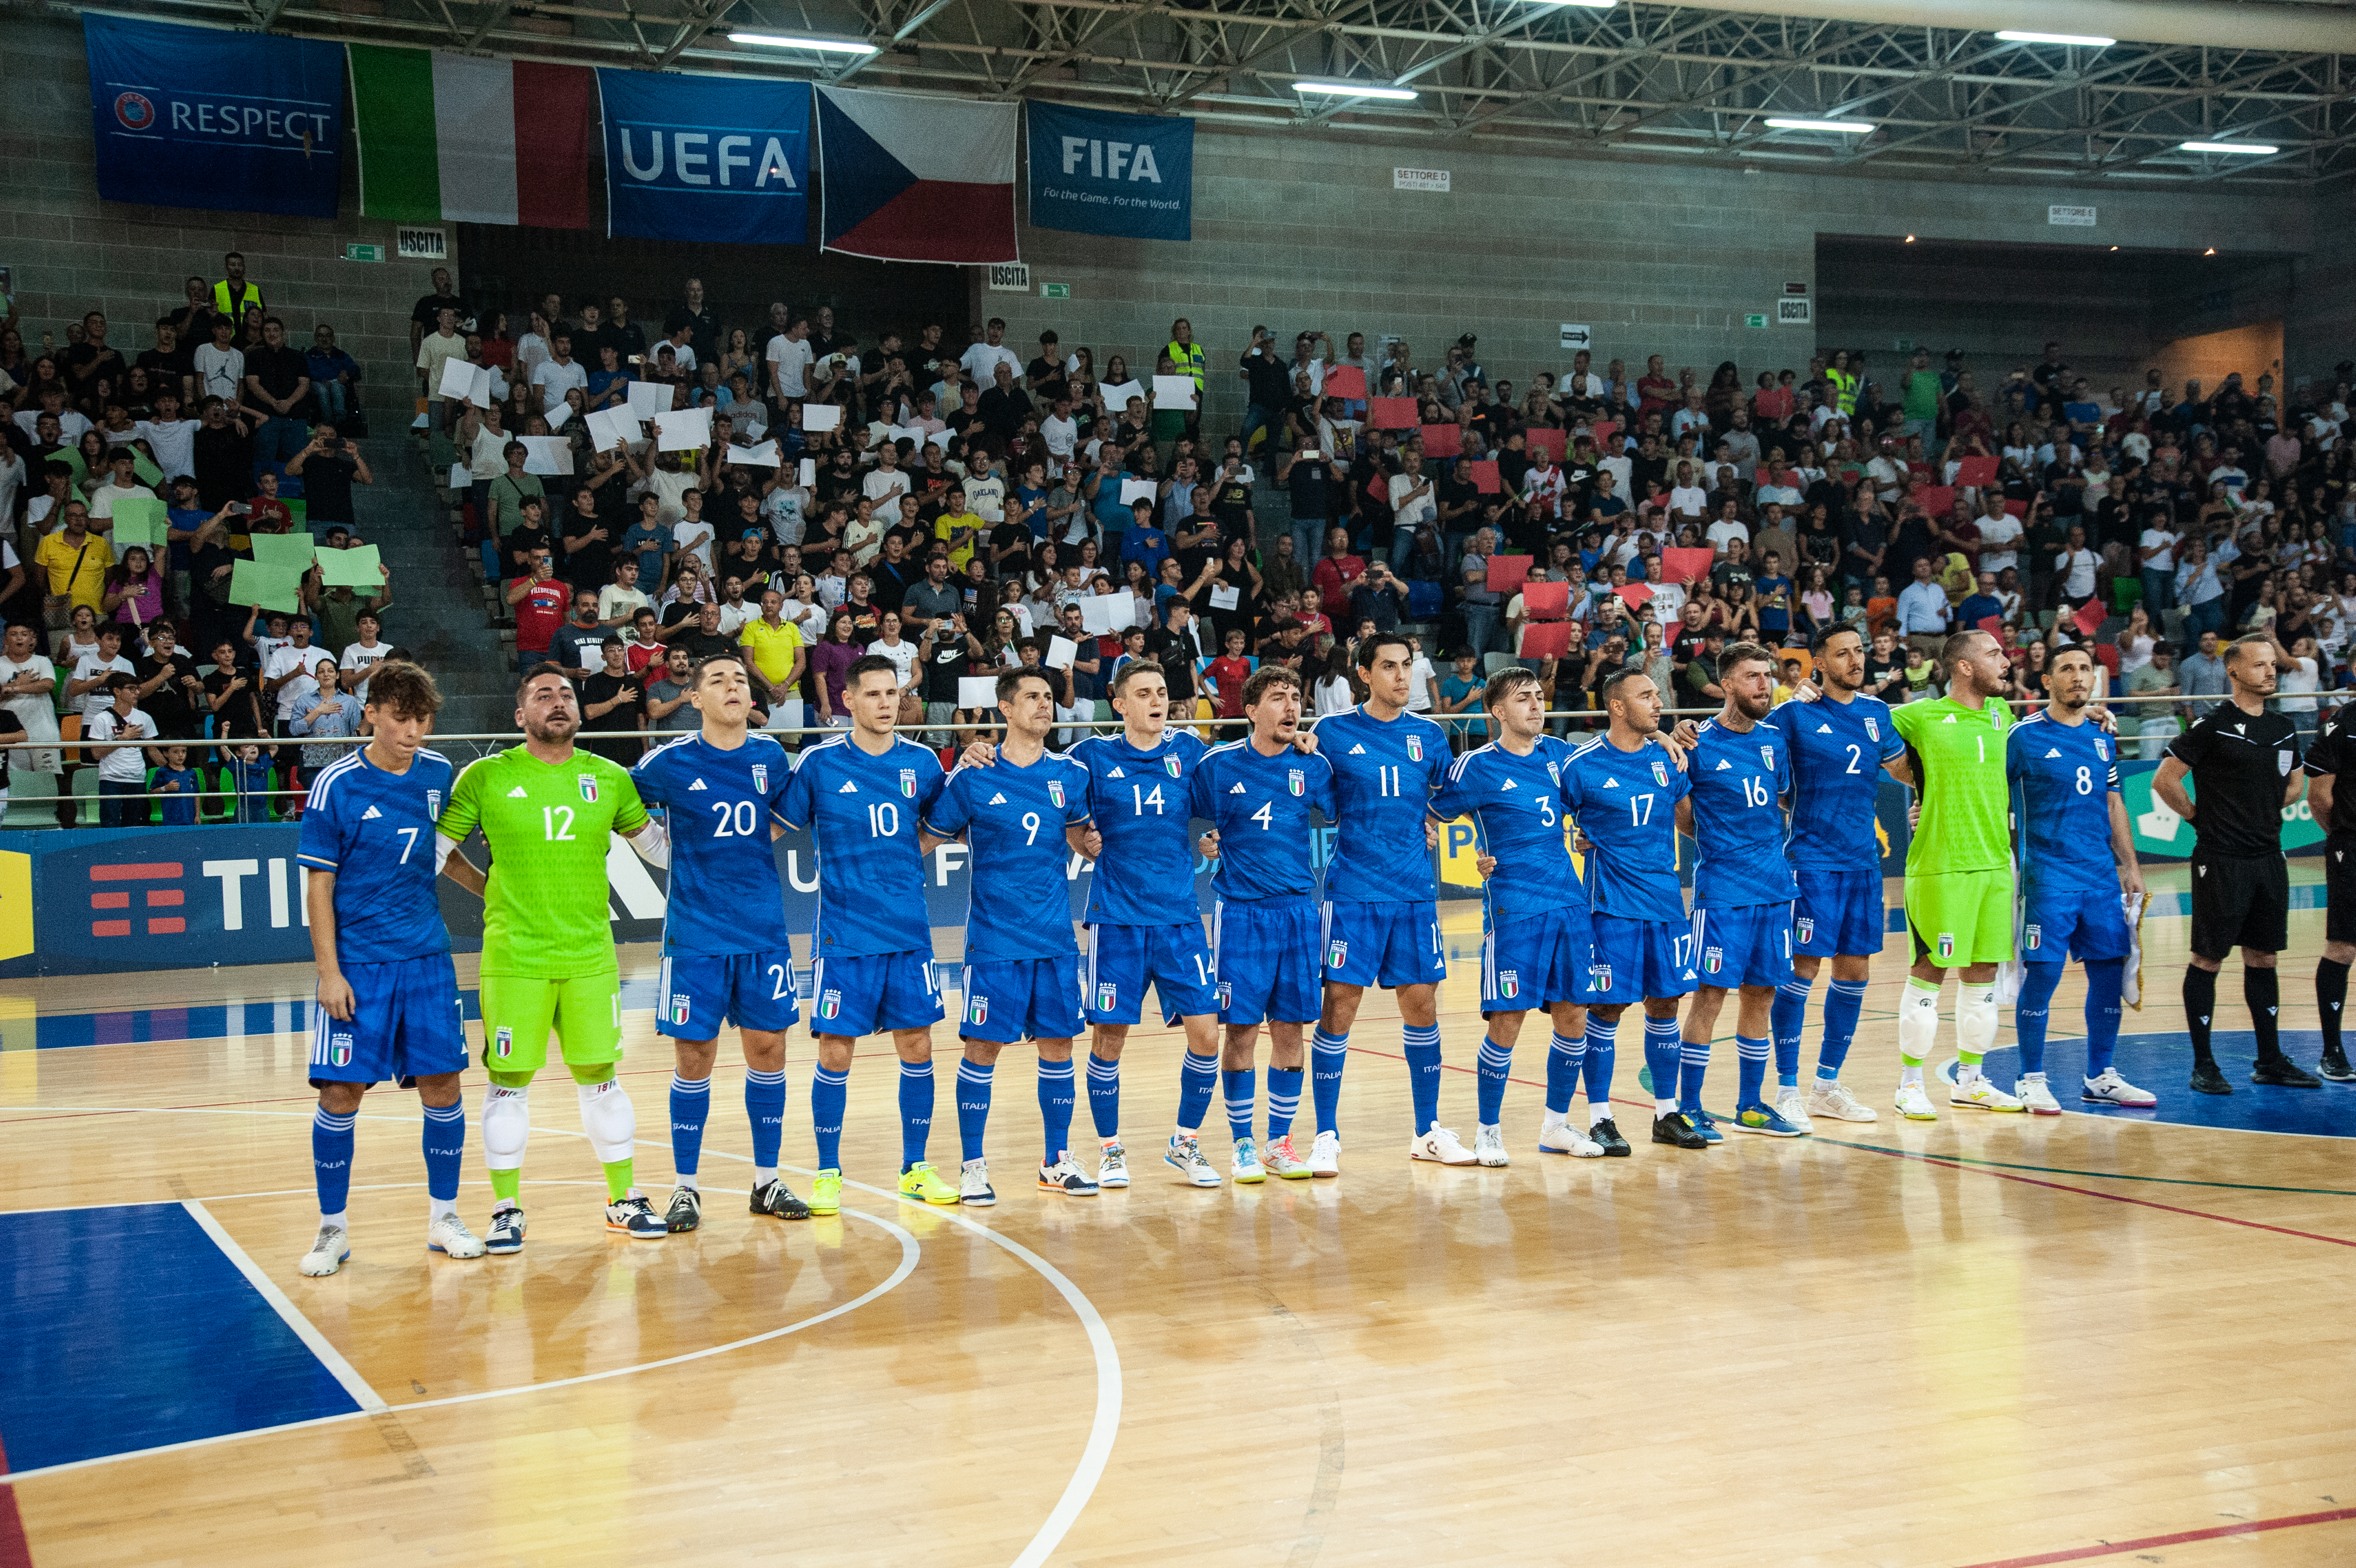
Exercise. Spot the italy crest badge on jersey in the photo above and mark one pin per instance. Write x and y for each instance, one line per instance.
(1105, 998)
(1170, 765)
(1767, 756)
(1415, 748)
(1713, 959)
(588, 782)
(680, 1005)
(2032, 937)
(1294, 780)
(340, 1048)
(829, 1004)
(1336, 954)
(760, 778)
(433, 802)
(2102, 749)
(908, 782)
(1946, 946)
(976, 1010)
(503, 1044)
(1661, 773)
(1509, 984)
(1872, 727)
(1056, 792)
(1808, 927)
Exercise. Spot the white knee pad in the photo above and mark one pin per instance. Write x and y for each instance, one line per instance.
(1975, 1019)
(1918, 1022)
(507, 1127)
(607, 1117)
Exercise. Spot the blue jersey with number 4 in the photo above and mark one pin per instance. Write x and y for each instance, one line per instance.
(1739, 780)
(725, 895)
(2063, 776)
(1145, 875)
(1626, 803)
(1019, 905)
(1837, 750)
(1514, 801)
(1384, 775)
(1263, 809)
(864, 812)
(374, 831)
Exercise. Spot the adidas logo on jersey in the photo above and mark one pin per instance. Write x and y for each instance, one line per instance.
(1357, 751)
(1116, 773)
(518, 793)
(1948, 720)
(1236, 790)
(998, 800)
(848, 789)
(371, 815)
(1824, 729)
(1723, 765)
(2055, 752)
(694, 787)
(1611, 783)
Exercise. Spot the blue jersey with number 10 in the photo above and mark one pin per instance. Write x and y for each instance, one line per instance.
(1019, 905)
(1740, 779)
(864, 812)
(1384, 775)
(1145, 875)
(2064, 777)
(1626, 803)
(725, 895)
(1837, 750)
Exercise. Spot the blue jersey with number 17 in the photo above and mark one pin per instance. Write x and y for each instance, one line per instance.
(725, 895)
(864, 812)
(1837, 750)
(1019, 905)
(1740, 779)
(1145, 875)
(1626, 803)
(1384, 775)
(2064, 777)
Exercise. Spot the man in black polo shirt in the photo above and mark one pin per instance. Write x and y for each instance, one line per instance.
(426, 316)
(328, 467)
(702, 322)
(2244, 762)
(2334, 749)
(277, 388)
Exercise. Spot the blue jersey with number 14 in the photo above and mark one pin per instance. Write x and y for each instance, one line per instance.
(1740, 779)
(864, 812)
(1383, 775)
(725, 894)
(1145, 875)
(1837, 750)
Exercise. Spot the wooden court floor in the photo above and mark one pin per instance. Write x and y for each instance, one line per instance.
(1987, 1340)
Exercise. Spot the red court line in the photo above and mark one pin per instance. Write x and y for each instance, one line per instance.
(15, 1551)
(2213, 1532)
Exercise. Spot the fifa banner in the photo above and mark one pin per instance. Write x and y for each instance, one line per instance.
(706, 157)
(1096, 172)
(206, 117)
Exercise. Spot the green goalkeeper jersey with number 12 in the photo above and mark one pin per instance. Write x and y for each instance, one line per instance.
(1959, 758)
(546, 912)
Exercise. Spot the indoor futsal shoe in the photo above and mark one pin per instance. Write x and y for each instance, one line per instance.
(773, 1198)
(1325, 1155)
(922, 1182)
(1184, 1155)
(1607, 1133)
(1914, 1104)
(973, 1185)
(505, 1234)
(2334, 1066)
(329, 1253)
(1560, 1137)
(2036, 1097)
(1067, 1178)
(1794, 1107)
(1489, 1146)
(825, 1192)
(1831, 1098)
(1246, 1166)
(1441, 1146)
(1678, 1132)
(2208, 1079)
(1278, 1160)
(2281, 1072)
(449, 1236)
(1112, 1168)
(1979, 1093)
(685, 1211)
(631, 1215)
(1703, 1123)
(1767, 1122)
(2110, 1088)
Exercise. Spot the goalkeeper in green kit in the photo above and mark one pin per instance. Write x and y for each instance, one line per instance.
(547, 812)
(1959, 893)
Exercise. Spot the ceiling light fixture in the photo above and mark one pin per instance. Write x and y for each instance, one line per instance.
(820, 45)
(1355, 90)
(1848, 127)
(2254, 149)
(2086, 40)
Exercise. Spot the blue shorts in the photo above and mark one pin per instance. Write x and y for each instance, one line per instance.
(1637, 959)
(1535, 962)
(1747, 946)
(751, 989)
(1022, 999)
(1840, 914)
(1264, 953)
(1383, 944)
(1122, 960)
(869, 994)
(407, 1023)
(2085, 922)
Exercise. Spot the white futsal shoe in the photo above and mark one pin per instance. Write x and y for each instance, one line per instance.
(1979, 1092)
(1489, 1146)
(2111, 1090)
(1441, 1146)
(1325, 1155)
(328, 1253)
(1561, 1138)
(2035, 1097)
(1914, 1104)
(449, 1234)
(1112, 1167)
(1834, 1100)
(1792, 1107)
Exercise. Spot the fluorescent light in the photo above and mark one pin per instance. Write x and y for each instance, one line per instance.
(821, 45)
(2086, 40)
(2253, 148)
(1851, 127)
(1353, 90)
(1591, 4)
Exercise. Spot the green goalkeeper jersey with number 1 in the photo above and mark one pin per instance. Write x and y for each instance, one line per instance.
(546, 912)
(1959, 773)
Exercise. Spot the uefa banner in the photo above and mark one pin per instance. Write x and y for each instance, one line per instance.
(1095, 172)
(206, 117)
(706, 159)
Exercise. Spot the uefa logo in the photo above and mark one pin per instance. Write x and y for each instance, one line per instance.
(134, 111)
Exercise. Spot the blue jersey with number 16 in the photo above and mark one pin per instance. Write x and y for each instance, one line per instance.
(725, 895)
(864, 812)
(1740, 779)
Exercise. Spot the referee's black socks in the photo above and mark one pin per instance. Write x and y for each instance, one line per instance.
(2200, 1008)
(2261, 988)
(2330, 998)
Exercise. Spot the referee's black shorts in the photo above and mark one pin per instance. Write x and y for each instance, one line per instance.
(2340, 887)
(2239, 904)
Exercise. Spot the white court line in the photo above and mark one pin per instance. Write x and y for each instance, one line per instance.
(343, 1371)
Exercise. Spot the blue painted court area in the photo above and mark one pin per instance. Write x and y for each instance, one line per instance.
(2162, 1063)
(128, 1329)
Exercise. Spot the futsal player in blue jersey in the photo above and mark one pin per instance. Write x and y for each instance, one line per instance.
(1625, 789)
(1536, 936)
(388, 1001)
(1261, 795)
(725, 953)
(2076, 858)
(1018, 816)
(1740, 774)
(863, 796)
(1381, 920)
(1840, 745)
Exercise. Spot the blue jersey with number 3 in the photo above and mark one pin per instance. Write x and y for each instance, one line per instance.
(2063, 776)
(1739, 780)
(1515, 804)
(864, 812)
(1145, 876)
(1018, 905)
(1626, 803)
(725, 895)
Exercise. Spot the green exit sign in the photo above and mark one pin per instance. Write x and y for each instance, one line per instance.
(1055, 291)
(353, 252)
(1758, 319)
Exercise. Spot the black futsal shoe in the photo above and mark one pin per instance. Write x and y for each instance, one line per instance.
(2207, 1079)
(1678, 1132)
(772, 1198)
(2334, 1066)
(1607, 1135)
(2281, 1072)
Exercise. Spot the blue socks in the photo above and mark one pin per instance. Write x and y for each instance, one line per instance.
(1844, 1001)
(973, 1081)
(1495, 1062)
(764, 1108)
(1423, 1049)
(916, 1111)
(1602, 1053)
(1104, 1095)
(1283, 1102)
(1563, 1058)
(1198, 1079)
(1750, 1072)
(690, 1104)
(446, 1148)
(2033, 1010)
(1057, 1089)
(1238, 1089)
(1693, 1061)
(1663, 1050)
(331, 1157)
(2106, 978)
(1329, 1054)
(828, 1092)
(1786, 1022)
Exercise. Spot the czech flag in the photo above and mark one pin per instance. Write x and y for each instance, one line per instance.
(904, 178)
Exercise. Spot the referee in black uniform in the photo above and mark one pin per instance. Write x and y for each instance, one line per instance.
(2335, 748)
(2244, 762)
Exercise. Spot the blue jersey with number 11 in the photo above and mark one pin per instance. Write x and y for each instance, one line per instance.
(725, 895)
(1383, 775)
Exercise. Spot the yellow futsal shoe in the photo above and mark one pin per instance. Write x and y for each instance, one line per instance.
(1978, 1092)
(921, 1181)
(826, 1193)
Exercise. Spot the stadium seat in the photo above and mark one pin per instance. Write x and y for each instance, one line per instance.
(85, 788)
(32, 800)
(1422, 601)
(2126, 593)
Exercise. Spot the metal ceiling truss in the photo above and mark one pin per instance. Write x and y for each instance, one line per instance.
(1657, 80)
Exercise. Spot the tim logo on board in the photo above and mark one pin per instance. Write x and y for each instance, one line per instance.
(1094, 172)
(702, 154)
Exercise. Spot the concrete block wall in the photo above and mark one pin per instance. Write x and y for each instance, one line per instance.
(72, 253)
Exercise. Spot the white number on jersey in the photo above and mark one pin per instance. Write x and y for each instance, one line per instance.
(1137, 795)
(737, 819)
(884, 821)
(556, 824)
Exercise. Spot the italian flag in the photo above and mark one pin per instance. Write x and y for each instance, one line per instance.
(456, 138)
